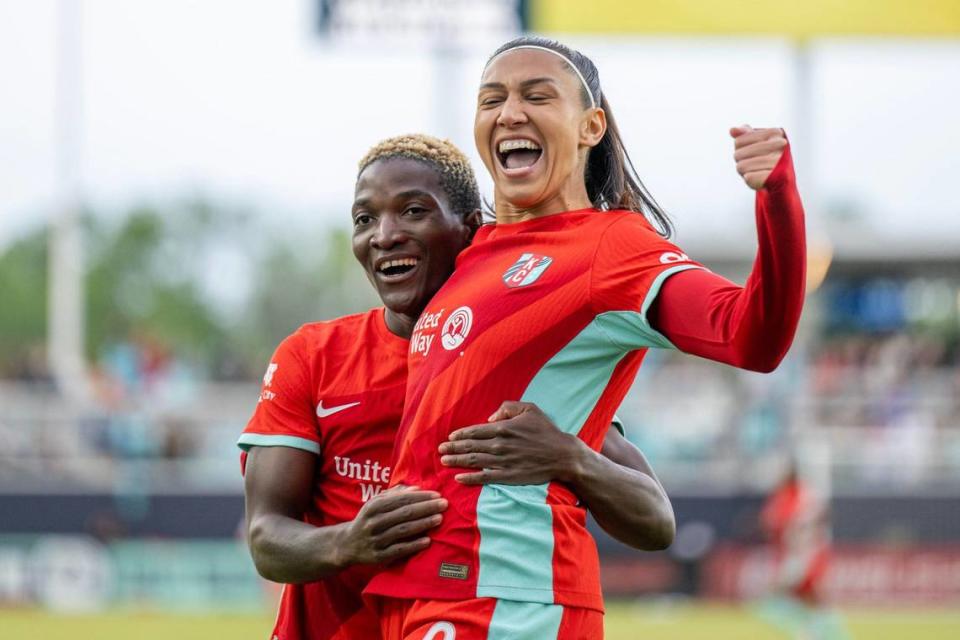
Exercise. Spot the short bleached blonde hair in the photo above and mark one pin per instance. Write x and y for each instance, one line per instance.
(452, 166)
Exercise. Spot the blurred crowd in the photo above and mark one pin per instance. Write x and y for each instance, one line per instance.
(886, 381)
(147, 419)
(894, 402)
(868, 403)
(139, 389)
(864, 404)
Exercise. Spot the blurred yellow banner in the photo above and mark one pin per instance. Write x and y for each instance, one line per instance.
(798, 18)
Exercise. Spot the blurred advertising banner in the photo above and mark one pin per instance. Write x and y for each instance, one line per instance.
(78, 573)
(418, 22)
(639, 575)
(860, 575)
(800, 19)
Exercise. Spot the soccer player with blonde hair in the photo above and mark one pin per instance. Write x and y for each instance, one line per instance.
(318, 449)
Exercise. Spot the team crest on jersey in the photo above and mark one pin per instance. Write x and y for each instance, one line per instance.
(526, 270)
(456, 328)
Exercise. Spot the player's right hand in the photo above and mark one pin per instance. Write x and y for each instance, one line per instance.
(757, 152)
(392, 525)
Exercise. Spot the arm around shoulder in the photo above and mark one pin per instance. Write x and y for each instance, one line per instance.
(521, 445)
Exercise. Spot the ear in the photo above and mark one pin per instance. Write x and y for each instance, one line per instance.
(472, 222)
(593, 127)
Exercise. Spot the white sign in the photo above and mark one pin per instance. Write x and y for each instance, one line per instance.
(413, 23)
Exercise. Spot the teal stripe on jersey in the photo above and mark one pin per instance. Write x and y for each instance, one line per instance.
(248, 440)
(515, 523)
(632, 330)
(516, 534)
(658, 282)
(516, 527)
(524, 621)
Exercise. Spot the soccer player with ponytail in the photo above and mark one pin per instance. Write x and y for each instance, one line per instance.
(556, 304)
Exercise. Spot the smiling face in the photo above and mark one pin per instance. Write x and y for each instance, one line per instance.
(533, 133)
(406, 235)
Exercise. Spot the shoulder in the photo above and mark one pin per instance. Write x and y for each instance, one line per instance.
(344, 327)
(314, 339)
(630, 222)
(627, 234)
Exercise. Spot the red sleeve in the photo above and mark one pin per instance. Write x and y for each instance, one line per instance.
(631, 264)
(285, 415)
(750, 327)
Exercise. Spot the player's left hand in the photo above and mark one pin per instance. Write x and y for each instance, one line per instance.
(757, 152)
(519, 445)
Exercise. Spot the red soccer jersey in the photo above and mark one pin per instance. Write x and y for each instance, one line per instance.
(336, 389)
(550, 311)
(796, 521)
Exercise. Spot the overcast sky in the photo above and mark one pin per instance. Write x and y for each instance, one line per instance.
(241, 101)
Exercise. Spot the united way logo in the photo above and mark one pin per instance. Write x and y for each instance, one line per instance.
(526, 270)
(456, 328)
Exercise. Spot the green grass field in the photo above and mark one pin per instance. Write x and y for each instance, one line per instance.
(624, 622)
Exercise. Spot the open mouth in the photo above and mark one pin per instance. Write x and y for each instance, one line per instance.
(397, 268)
(518, 154)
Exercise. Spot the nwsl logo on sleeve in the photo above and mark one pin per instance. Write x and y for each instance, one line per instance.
(526, 270)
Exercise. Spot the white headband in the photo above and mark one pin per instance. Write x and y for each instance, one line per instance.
(583, 80)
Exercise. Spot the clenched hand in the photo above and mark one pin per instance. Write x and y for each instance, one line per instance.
(757, 152)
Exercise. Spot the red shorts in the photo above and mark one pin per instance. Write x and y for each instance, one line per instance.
(485, 619)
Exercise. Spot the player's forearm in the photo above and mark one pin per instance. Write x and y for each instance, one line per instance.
(291, 551)
(627, 503)
(773, 300)
(750, 327)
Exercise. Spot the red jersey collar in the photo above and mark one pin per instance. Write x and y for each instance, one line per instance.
(540, 222)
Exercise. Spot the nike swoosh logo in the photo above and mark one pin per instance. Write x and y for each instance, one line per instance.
(323, 412)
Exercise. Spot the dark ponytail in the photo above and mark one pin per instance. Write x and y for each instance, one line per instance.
(612, 181)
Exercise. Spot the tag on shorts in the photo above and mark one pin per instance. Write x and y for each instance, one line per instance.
(455, 571)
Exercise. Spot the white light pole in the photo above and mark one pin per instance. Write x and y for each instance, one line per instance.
(65, 308)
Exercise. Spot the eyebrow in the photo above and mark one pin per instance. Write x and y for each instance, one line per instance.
(409, 193)
(523, 85)
(412, 193)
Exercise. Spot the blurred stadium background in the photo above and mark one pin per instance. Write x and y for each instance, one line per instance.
(174, 200)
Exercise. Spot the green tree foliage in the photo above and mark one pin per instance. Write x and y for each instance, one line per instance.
(144, 276)
(299, 280)
(150, 273)
(23, 301)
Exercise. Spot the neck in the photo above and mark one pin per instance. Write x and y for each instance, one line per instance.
(571, 198)
(400, 324)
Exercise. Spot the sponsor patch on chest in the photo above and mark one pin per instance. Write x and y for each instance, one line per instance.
(371, 476)
(424, 332)
(526, 270)
(456, 328)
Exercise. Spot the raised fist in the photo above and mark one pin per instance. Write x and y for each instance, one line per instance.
(757, 152)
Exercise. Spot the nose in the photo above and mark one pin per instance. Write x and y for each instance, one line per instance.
(511, 113)
(388, 233)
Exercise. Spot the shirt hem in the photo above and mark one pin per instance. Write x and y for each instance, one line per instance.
(577, 599)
